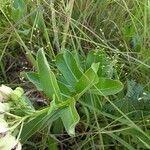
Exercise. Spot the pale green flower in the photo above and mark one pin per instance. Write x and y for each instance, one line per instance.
(4, 107)
(9, 142)
(17, 93)
(1, 98)
(5, 92)
(3, 126)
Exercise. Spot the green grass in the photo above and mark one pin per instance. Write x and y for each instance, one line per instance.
(119, 28)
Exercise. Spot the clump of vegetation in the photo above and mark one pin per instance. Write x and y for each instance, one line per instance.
(80, 74)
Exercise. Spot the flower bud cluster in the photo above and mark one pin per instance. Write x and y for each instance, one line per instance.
(7, 140)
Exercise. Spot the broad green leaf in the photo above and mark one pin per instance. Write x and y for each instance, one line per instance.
(65, 92)
(88, 79)
(105, 67)
(9, 142)
(95, 57)
(90, 59)
(47, 78)
(107, 87)
(31, 127)
(70, 118)
(34, 78)
(68, 67)
(60, 78)
(19, 9)
(38, 20)
(39, 122)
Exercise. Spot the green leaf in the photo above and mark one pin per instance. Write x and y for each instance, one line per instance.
(33, 126)
(68, 67)
(38, 20)
(70, 118)
(34, 78)
(105, 66)
(106, 87)
(90, 59)
(95, 57)
(47, 78)
(65, 92)
(39, 122)
(19, 10)
(88, 79)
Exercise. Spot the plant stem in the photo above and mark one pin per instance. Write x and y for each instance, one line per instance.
(69, 9)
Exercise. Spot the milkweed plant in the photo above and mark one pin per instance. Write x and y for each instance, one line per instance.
(63, 84)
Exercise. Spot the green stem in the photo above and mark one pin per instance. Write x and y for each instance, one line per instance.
(69, 9)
